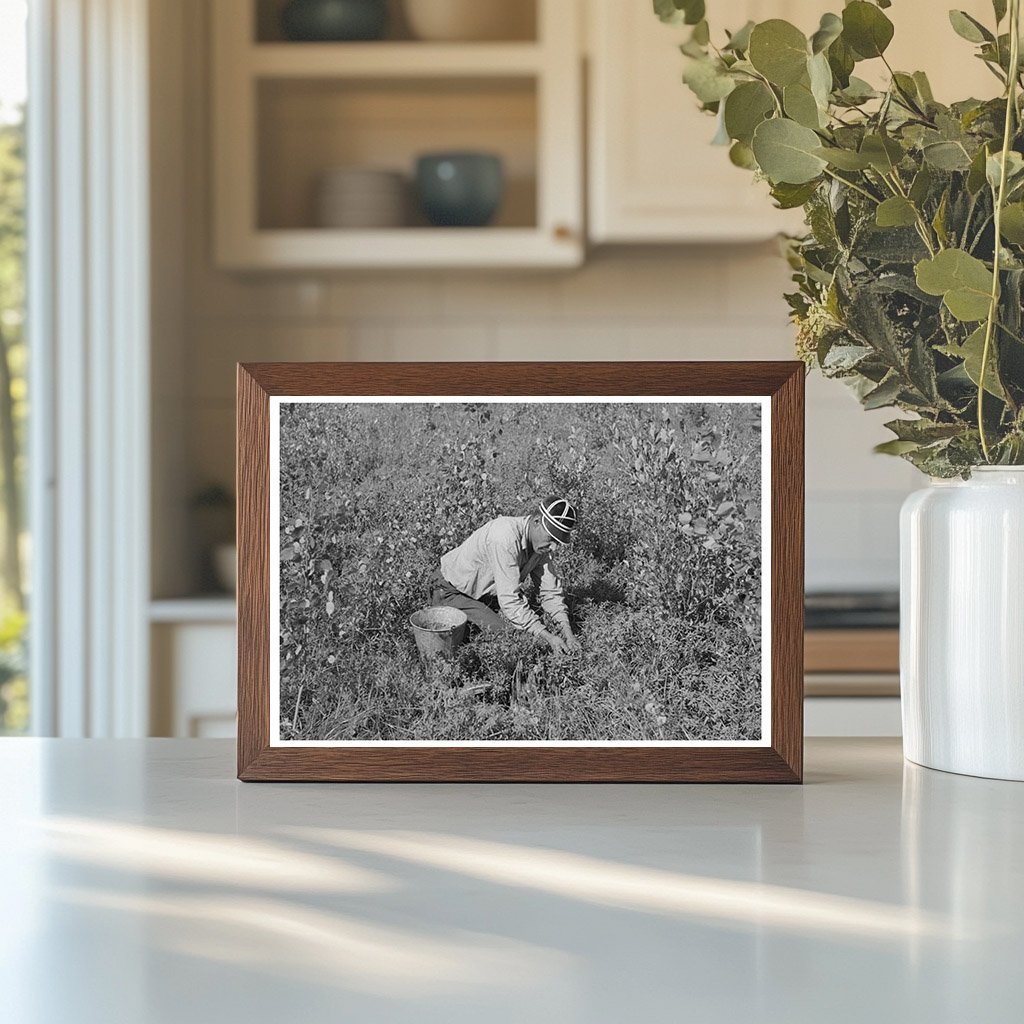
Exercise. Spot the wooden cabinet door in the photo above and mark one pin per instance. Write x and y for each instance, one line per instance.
(653, 174)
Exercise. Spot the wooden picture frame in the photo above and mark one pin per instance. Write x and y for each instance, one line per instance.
(776, 757)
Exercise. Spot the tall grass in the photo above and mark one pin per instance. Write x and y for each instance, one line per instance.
(663, 578)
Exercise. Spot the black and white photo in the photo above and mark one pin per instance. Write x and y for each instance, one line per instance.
(524, 571)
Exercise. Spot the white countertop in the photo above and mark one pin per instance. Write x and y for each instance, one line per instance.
(143, 885)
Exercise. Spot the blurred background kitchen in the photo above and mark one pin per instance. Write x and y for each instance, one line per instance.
(214, 181)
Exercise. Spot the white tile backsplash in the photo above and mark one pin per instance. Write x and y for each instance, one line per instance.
(373, 296)
(509, 298)
(646, 285)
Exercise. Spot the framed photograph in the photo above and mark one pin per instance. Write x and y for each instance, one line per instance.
(520, 572)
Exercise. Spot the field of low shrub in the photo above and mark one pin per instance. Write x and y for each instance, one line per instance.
(662, 579)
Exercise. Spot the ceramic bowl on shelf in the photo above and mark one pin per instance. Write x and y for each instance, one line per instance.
(361, 198)
(471, 20)
(332, 21)
(460, 189)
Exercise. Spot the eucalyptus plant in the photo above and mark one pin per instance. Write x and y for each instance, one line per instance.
(909, 280)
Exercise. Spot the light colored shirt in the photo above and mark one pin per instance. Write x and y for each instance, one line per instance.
(496, 560)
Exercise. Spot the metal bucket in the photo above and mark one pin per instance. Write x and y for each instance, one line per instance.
(438, 631)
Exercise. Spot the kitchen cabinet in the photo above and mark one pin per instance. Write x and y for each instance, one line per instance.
(653, 175)
(287, 113)
(852, 682)
(192, 648)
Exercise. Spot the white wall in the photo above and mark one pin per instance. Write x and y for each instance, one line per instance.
(655, 303)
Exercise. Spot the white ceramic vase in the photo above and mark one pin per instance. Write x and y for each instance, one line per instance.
(962, 624)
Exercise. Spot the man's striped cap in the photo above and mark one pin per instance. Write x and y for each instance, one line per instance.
(558, 517)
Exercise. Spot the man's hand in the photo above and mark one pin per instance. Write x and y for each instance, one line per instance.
(556, 643)
(571, 641)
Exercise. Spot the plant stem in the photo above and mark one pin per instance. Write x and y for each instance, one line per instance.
(855, 187)
(922, 225)
(993, 309)
(774, 95)
(969, 218)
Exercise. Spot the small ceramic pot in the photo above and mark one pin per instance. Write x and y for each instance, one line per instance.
(334, 20)
(361, 198)
(460, 189)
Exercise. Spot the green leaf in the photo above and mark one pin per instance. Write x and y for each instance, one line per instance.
(676, 12)
(895, 447)
(923, 431)
(963, 281)
(785, 152)
(789, 197)
(924, 87)
(800, 105)
(778, 50)
(844, 159)
(701, 33)
(858, 91)
(971, 352)
(885, 394)
(695, 11)
(841, 60)
(921, 185)
(820, 76)
(967, 304)
(830, 29)
(976, 174)
(939, 220)
(667, 11)
(708, 80)
(969, 28)
(1014, 169)
(1012, 224)
(997, 53)
(921, 369)
(999, 6)
(741, 155)
(946, 156)
(906, 89)
(739, 41)
(896, 212)
(882, 153)
(866, 29)
(822, 222)
(746, 107)
(694, 49)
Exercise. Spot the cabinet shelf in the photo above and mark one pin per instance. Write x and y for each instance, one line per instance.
(404, 248)
(393, 60)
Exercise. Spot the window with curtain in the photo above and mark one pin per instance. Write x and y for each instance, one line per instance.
(14, 546)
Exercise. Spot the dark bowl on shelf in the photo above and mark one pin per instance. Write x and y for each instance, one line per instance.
(333, 21)
(461, 190)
